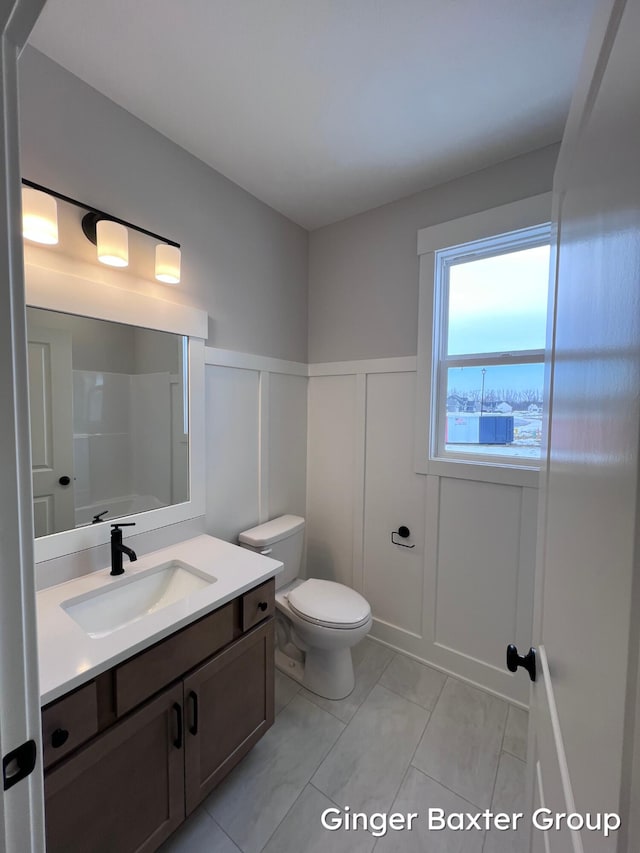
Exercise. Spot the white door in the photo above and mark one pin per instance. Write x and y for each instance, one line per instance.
(579, 743)
(21, 797)
(51, 412)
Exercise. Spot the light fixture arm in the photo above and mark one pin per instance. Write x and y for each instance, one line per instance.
(93, 216)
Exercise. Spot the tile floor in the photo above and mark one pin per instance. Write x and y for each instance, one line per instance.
(407, 738)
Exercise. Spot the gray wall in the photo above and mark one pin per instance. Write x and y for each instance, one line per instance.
(363, 271)
(242, 262)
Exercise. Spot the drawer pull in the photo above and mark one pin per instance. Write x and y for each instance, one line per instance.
(263, 606)
(59, 737)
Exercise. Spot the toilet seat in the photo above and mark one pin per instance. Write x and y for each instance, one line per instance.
(329, 604)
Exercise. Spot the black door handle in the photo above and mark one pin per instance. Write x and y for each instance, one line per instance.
(64, 481)
(178, 709)
(193, 697)
(528, 661)
(263, 606)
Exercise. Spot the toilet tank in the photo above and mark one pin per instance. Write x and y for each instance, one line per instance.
(281, 539)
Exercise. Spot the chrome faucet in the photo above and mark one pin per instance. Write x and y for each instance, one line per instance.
(118, 549)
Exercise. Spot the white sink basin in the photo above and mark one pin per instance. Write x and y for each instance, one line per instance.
(101, 612)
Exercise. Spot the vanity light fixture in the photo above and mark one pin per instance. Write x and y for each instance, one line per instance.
(167, 264)
(108, 233)
(112, 242)
(39, 216)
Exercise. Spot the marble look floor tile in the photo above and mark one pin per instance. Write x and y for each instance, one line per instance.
(461, 744)
(516, 733)
(258, 793)
(285, 689)
(366, 766)
(199, 834)
(418, 794)
(369, 662)
(509, 797)
(302, 832)
(414, 681)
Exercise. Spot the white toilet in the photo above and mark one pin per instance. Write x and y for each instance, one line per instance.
(317, 621)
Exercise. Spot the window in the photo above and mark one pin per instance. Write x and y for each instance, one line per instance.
(490, 318)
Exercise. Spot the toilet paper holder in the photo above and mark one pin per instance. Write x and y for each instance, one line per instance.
(404, 532)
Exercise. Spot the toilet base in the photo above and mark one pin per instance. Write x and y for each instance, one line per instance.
(327, 673)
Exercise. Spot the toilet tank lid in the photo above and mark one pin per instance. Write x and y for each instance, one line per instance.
(272, 531)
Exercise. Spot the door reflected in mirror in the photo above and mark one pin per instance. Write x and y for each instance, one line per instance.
(109, 420)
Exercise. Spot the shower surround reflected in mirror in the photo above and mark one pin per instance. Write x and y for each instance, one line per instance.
(109, 420)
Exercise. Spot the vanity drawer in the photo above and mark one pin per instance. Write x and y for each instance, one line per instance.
(69, 722)
(139, 678)
(258, 603)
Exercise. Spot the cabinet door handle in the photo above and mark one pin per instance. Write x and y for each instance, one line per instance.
(178, 709)
(193, 697)
(263, 606)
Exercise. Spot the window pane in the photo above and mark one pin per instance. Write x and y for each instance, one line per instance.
(499, 304)
(495, 410)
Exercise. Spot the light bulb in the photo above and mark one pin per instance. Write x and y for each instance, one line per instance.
(167, 264)
(112, 240)
(39, 217)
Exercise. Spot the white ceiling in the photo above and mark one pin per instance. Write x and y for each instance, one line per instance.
(325, 108)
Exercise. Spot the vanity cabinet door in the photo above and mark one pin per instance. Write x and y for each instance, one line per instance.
(228, 707)
(125, 791)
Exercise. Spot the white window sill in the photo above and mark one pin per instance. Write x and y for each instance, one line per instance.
(485, 472)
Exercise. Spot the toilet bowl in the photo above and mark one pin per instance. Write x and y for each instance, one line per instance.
(317, 621)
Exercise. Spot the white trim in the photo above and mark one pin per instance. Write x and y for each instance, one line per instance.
(263, 446)
(567, 789)
(70, 541)
(485, 472)
(250, 361)
(359, 482)
(524, 213)
(390, 644)
(398, 364)
(519, 215)
(22, 806)
(61, 283)
(424, 363)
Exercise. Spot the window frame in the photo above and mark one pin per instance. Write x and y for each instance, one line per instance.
(528, 213)
(488, 247)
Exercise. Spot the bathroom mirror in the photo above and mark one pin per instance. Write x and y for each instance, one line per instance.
(60, 285)
(109, 420)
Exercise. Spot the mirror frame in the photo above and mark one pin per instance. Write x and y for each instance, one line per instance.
(60, 283)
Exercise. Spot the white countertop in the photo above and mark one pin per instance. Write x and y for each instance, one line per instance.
(69, 657)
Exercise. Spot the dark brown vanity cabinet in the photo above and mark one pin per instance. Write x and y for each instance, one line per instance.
(125, 791)
(228, 706)
(160, 732)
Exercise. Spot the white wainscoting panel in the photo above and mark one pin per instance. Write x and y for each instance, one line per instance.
(466, 590)
(256, 416)
(477, 568)
(394, 496)
(287, 447)
(331, 469)
(232, 450)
